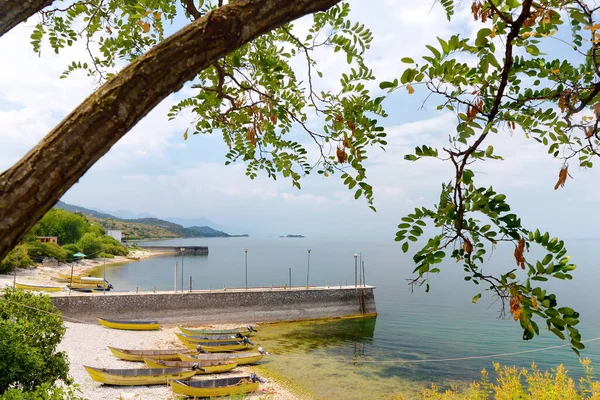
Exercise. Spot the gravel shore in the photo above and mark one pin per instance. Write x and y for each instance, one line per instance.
(85, 344)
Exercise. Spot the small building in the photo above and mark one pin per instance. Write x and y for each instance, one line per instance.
(48, 239)
(117, 235)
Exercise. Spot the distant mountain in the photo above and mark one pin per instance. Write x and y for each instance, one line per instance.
(143, 228)
(207, 231)
(71, 208)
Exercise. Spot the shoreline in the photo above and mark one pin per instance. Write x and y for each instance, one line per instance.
(41, 274)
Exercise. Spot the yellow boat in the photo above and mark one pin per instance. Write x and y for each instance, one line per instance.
(247, 331)
(139, 355)
(205, 339)
(216, 387)
(77, 279)
(241, 358)
(89, 286)
(135, 377)
(216, 347)
(130, 325)
(202, 367)
(39, 288)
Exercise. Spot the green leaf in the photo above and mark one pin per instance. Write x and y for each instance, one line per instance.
(475, 298)
(407, 60)
(405, 247)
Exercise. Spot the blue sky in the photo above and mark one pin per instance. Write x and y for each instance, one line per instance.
(153, 171)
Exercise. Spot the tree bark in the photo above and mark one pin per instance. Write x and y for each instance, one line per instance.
(35, 183)
(13, 12)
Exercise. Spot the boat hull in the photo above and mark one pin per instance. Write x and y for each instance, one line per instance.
(38, 288)
(239, 358)
(130, 325)
(219, 348)
(206, 339)
(214, 332)
(242, 388)
(211, 367)
(138, 377)
(139, 355)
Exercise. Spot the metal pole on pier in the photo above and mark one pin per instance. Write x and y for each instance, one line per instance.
(175, 281)
(290, 277)
(182, 250)
(355, 269)
(363, 274)
(190, 284)
(308, 268)
(246, 251)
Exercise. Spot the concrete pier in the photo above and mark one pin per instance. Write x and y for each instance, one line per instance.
(176, 250)
(223, 305)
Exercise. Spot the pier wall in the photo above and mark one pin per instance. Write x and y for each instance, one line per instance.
(176, 250)
(222, 306)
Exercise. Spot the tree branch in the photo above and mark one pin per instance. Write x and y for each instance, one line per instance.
(13, 12)
(33, 185)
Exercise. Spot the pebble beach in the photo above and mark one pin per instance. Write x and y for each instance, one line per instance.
(85, 344)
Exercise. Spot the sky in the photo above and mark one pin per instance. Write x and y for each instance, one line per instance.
(152, 171)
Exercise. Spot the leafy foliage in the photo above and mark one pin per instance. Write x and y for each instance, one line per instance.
(28, 340)
(38, 251)
(69, 227)
(17, 258)
(45, 391)
(90, 244)
(509, 89)
(252, 97)
(514, 383)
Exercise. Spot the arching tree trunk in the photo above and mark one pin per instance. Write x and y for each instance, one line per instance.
(13, 12)
(34, 184)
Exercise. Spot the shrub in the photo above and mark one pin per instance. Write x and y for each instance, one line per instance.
(45, 392)
(11, 261)
(30, 330)
(71, 249)
(69, 227)
(112, 246)
(514, 383)
(97, 229)
(38, 251)
(90, 244)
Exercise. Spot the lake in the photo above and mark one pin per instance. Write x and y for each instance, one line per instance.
(393, 353)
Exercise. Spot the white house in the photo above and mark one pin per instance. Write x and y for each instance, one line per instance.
(118, 235)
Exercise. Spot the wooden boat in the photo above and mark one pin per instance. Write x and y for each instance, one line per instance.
(217, 347)
(81, 290)
(205, 339)
(38, 288)
(134, 377)
(216, 387)
(77, 279)
(132, 325)
(106, 286)
(202, 367)
(61, 279)
(241, 358)
(247, 331)
(139, 355)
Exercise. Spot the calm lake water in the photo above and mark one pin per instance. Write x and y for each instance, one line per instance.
(379, 357)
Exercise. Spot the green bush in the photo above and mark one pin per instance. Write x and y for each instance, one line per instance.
(38, 251)
(105, 255)
(112, 246)
(69, 227)
(30, 330)
(10, 261)
(90, 244)
(44, 392)
(71, 249)
(97, 229)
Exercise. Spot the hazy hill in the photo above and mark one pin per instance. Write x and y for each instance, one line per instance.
(143, 228)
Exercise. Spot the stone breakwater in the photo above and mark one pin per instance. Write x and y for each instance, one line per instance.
(222, 306)
(176, 250)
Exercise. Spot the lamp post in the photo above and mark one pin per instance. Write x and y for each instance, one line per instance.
(246, 253)
(355, 269)
(308, 267)
(182, 250)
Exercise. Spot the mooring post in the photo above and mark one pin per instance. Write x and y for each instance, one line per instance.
(190, 284)
(154, 289)
(290, 278)
(137, 289)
